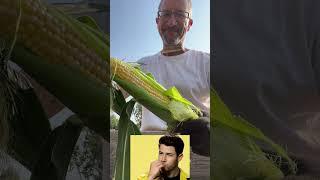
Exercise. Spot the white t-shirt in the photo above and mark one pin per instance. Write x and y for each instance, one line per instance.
(188, 72)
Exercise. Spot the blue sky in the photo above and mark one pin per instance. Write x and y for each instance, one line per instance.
(133, 30)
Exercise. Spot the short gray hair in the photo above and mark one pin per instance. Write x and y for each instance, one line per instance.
(189, 7)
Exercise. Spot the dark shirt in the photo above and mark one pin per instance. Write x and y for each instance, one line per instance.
(173, 178)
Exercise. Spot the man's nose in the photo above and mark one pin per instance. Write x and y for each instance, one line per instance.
(172, 21)
(163, 158)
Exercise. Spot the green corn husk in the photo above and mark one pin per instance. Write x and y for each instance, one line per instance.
(235, 152)
(169, 105)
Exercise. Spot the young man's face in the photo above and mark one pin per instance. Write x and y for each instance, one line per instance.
(173, 21)
(169, 158)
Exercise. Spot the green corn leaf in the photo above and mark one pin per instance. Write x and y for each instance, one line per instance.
(90, 22)
(236, 156)
(175, 94)
(126, 128)
(118, 100)
(222, 117)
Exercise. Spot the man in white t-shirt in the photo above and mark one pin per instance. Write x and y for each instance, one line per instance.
(186, 69)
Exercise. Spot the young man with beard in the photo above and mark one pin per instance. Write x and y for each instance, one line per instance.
(166, 167)
(186, 69)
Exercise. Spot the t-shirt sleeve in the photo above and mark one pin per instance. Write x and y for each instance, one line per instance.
(143, 62)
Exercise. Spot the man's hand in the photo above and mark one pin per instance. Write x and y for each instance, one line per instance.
(199, 131)
(155, 170)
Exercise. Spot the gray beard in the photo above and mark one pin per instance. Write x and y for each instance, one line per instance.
(175, 42)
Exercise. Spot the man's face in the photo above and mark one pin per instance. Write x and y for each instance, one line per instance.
(174, 23)
(168, 157)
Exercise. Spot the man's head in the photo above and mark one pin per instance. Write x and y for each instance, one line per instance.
(174, 21)
(170, 152)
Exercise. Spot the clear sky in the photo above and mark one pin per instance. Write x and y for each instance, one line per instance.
(134, 34)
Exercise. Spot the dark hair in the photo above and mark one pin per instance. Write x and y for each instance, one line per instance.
(174, 141)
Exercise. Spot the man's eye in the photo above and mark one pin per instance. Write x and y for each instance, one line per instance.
(166, 14)
(180, 14)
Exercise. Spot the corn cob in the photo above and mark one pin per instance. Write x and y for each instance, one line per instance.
(130, 74)
(51, 36)
(151, 94)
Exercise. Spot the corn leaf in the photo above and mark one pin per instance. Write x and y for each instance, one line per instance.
(126, 128)
(118, 101)
(236, 156)
(175, 94)
(241, 137)
(90, 22)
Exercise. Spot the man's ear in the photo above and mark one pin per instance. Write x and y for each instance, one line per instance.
(157, 20)
(190, 22)
(180, 157)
